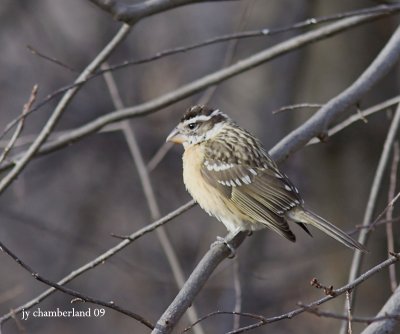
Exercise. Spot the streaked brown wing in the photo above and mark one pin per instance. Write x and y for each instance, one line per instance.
(262, 193)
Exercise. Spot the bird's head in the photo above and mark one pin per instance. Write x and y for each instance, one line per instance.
(199, 123)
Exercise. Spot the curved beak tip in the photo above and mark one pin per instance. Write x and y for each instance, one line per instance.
(175, 137)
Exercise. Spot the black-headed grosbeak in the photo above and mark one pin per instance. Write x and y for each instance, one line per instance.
(232, 177)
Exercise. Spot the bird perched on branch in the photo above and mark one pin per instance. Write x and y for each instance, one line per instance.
(232, 177)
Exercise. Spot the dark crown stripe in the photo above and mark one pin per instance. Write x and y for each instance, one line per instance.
(202, 112)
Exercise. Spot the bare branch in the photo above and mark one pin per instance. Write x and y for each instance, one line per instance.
(148, 190)
(311, 310)
(18, 130)
(307, 131)
(50, 59)
(297, 106)
(389, 212)
(361, 115)
(337, 292)
(195, 282)
(383, 9)
(392, 306)
(131, 14)
(74, 293)
(364, 233)
(349, 316)
(58, 111)
(100, 259)
(319, 123)
(238, 294)
(312, 306)
(159, 156)
(367, 320)
(209, 92)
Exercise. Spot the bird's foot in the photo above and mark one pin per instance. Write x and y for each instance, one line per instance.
(221, 240)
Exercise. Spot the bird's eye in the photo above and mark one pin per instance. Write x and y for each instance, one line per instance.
(192, 126)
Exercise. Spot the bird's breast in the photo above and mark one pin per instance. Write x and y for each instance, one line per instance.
(209, 198)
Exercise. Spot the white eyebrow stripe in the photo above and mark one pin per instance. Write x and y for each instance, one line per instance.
(197, 118)
(202, 118)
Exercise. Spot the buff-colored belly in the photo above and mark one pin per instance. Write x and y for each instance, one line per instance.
(207, 196)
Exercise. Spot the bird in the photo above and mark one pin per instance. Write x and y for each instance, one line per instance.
(229, 173)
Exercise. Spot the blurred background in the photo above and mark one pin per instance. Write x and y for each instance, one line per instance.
(60, 212)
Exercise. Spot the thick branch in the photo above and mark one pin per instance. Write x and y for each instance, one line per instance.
(318, 124)
(388, 325)
(131, 14)
(195, 283)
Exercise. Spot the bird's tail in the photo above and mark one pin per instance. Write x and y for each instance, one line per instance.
(301, 215)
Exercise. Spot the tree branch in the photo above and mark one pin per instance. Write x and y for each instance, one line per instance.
(219, 76)
(316, 125)
(74, 293)
(100, 259)
(20, 126)
(392, 306)
(195, 283)
(364, 233)
(319, 123)
(395, 257)
(383, 9)
(148, 190)
(131, 14)
(58, 111)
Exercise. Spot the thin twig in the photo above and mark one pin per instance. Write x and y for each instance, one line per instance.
(311, 310)
(359, 116)
(148, 190)
(50, 59)
(74, 293)
(349, 316)
(367, 320)
(383, 161)
(229, 52)
(328, 290)
(158, 156)
(100, 259)
(389, 212)
(20, 126)
(379, 222)
(297, 106)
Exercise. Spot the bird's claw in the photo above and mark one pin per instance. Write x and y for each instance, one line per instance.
(221, 240)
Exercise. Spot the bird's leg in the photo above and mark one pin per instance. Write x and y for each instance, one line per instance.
(226, 240)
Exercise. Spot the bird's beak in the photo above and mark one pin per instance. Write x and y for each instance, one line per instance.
(176, 137)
